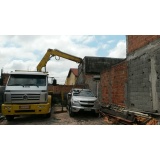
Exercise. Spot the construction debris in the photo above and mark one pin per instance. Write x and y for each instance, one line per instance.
(1, 118)
(119, 115)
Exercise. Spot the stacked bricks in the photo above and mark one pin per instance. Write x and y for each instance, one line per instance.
(113, 83)
(137, 41)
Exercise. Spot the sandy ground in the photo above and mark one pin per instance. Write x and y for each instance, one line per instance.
(59, 117)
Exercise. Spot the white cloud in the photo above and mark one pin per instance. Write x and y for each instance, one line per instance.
(119, 51)
(83, 39)
(60, 68)
(104, 46)
(25, 53)
(20, 65)
(110, 41)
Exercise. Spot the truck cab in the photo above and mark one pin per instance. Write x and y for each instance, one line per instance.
(26, 93)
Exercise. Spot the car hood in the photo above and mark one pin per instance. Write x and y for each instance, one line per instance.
(81, 98)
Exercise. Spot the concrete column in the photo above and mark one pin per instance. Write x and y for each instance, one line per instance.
(153, 78)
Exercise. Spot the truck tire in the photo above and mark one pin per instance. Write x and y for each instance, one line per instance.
(9, 118)
(48, 115)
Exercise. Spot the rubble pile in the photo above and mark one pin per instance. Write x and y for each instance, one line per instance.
(113, 114)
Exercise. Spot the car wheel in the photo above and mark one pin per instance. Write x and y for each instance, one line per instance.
(10, 118)
(71, 114)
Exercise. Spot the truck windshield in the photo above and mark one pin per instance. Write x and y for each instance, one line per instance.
(27, 80)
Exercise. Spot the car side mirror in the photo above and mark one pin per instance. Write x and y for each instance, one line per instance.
(69, 94)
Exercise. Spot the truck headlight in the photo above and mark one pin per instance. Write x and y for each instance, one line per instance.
(40, 106)
(7, 107)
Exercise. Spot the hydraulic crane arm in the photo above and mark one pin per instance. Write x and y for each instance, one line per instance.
(54, 52)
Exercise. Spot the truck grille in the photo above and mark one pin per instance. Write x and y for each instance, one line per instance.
(24, 97)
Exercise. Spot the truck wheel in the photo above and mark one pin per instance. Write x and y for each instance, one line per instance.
(71, 114)
(10, 118)
(48, 115)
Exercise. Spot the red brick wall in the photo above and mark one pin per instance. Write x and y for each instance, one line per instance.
(118, 81)
(113, 84)
(105, 83)
(5, 77)
(137, 41)
(62, 88)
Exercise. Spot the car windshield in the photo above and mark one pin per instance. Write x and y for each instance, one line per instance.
(84, 93)
(27, 80)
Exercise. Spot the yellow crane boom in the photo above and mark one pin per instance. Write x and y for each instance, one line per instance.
(54, 52)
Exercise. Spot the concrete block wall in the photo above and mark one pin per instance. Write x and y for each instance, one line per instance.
(139, 84)
(143, 89)
(94, 65)
(113, 84)
(93, 85)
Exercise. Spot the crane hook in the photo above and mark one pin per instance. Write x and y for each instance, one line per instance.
(57, 58)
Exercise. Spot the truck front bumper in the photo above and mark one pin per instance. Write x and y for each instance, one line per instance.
(25, 109)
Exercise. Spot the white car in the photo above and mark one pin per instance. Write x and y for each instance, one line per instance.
(82, 100)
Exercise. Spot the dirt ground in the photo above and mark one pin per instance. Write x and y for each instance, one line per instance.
(59, 116)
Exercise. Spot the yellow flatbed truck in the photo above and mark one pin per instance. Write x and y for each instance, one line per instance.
(26, 93)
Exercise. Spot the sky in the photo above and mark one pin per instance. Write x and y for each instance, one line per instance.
(24, 52)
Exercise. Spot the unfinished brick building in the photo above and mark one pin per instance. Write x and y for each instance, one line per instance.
(133, 82)
(91, 68)
(143, 86)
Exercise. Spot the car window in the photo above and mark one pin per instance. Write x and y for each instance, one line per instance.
(84, 94)
(75, 94)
